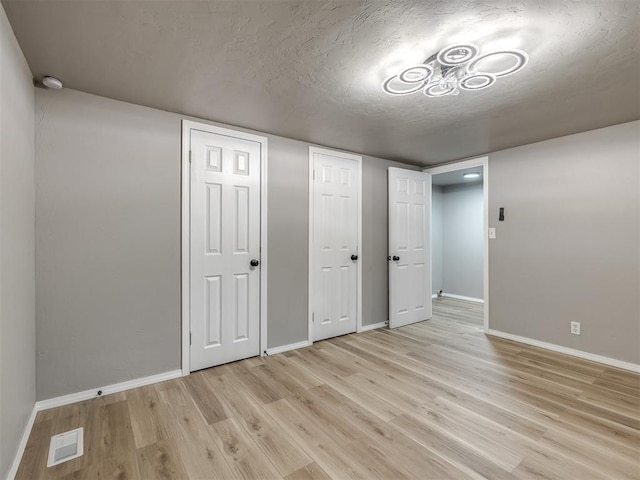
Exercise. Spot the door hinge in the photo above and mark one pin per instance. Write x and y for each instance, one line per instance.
(190, 155)
(189, 338)
(313, 317)
(314, 173)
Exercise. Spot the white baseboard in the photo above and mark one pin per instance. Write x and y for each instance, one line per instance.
(286, 348)
(462, 297)
(22, 445)
(79, 397)
(106, 390)
(567, 351)
(373, 326)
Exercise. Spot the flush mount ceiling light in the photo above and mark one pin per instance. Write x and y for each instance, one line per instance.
(470, 175)
(52, 82)
(455, 68)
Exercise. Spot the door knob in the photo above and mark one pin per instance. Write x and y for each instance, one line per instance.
(354, 257)
(396, 258)
(254, 263)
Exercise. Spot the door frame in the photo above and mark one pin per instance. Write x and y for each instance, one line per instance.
(464, 164)
(187, 126)
(358, 159)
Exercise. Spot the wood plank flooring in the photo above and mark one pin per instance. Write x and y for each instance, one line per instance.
(434, 400)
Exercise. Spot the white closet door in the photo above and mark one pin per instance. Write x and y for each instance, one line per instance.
(409, 247)
(225, 241)
(334, 245)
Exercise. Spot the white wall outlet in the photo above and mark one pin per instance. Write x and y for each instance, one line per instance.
(492, 233)
(575, 328)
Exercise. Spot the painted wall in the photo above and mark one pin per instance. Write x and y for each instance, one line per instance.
(463, 246)
(569, 248)
(375, 239)
(17, 250)
(437, 231)
(108, 241)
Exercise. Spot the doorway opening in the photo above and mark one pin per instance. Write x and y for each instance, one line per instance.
(459, 238)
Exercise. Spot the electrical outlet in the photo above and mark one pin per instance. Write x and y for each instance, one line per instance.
(492, 233)
(575, 328)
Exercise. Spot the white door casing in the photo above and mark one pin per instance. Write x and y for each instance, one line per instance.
(409, 247)
(335, 238)
(224, 237)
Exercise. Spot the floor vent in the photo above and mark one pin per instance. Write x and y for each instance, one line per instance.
(65, 446)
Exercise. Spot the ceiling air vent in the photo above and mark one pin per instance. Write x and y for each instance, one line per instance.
(65, 446)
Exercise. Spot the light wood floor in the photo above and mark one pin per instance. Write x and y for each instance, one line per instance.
(435, 400)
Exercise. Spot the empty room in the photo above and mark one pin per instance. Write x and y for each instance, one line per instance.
(309, 239)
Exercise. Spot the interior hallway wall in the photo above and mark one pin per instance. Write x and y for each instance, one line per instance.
(17, 249)
(463, 240)
(108, 241)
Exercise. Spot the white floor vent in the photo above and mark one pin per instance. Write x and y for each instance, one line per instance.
(65, 446)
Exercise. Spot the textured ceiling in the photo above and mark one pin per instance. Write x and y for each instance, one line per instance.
(312, 70)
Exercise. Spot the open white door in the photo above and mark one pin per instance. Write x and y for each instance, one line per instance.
(409, 247)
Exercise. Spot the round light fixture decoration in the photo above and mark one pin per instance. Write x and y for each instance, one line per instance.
(396, 86)
(439, 90)
(520, 57)
(455, 68)
(52, 82)
(415, 74)
(457, 54)
(477, 81)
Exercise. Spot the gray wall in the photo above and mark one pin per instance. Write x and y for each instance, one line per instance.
(463, 247)
(569, 248)
(375, 239)
(108, 241)
(288, 237)
(437, 231)
(17, 251)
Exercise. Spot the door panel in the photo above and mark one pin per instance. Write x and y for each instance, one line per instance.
(409, 249)
(225, 235)
(334, 240)
(213, 314)
(213, 218)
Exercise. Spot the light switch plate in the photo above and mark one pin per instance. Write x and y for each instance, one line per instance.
(492, 233)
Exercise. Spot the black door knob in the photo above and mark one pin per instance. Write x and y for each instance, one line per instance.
(254, 263)
(396, 258)
(354, 257)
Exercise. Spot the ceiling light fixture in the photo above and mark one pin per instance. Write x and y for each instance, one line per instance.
(470, 175)
(52, 82)
(455, 68)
